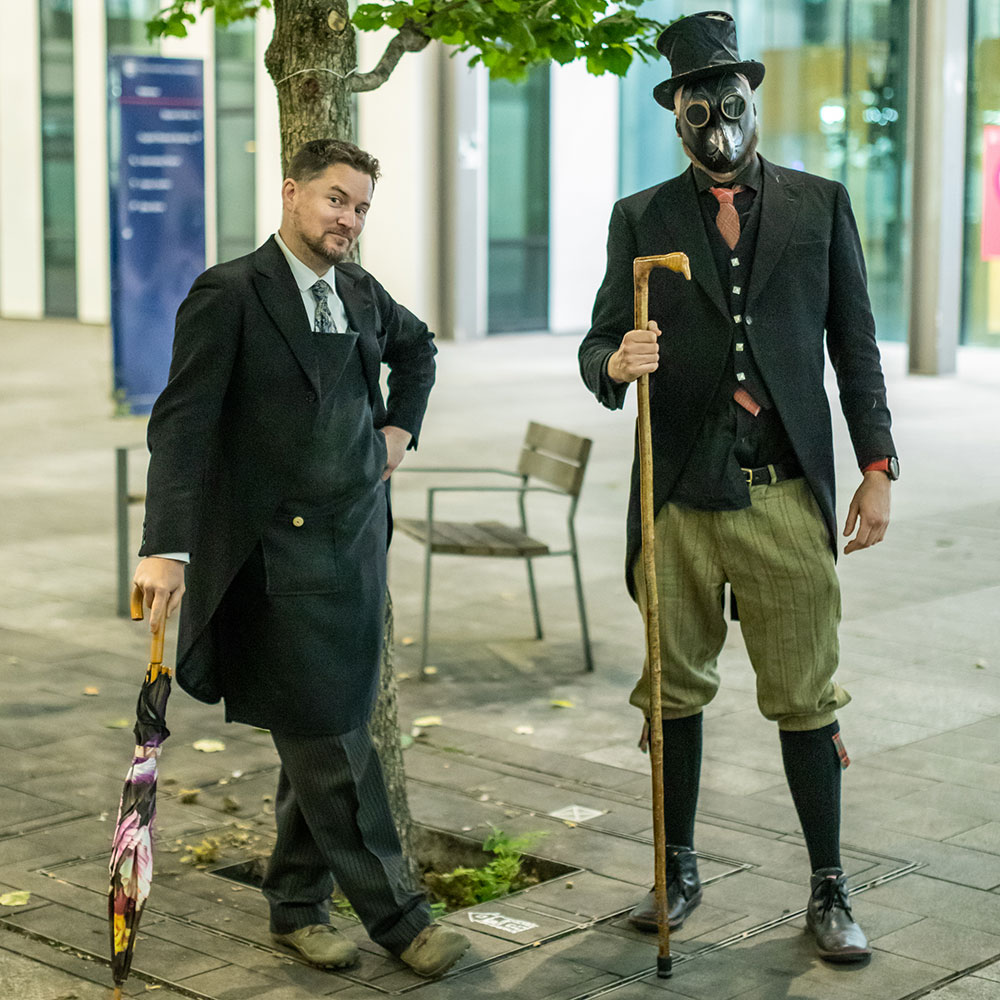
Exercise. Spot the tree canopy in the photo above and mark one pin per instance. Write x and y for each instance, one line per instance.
(508, 37)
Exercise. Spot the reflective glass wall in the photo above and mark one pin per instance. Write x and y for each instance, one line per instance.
(833, 103)
(518, 181)
(234, 132)
(58, 174)
(981, 286)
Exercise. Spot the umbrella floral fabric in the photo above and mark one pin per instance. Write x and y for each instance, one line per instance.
(131, 864)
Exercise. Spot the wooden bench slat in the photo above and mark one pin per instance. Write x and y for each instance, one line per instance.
(484, 538)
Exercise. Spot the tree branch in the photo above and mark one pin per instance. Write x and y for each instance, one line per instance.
(408, 39)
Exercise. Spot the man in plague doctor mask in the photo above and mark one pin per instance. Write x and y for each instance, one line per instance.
(743, 481)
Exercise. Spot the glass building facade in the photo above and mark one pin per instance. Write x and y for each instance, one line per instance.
(58, 174)
(518, 204)
(234, 134)
(833, 102)
(981, 285)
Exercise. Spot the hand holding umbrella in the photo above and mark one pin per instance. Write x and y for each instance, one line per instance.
(131, 866)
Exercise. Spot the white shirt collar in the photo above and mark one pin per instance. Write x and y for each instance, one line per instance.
(305, 277)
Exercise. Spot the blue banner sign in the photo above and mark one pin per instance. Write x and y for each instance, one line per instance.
(157, 214)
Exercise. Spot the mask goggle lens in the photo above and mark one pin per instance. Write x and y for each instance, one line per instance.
(697, 114)
(733, 106)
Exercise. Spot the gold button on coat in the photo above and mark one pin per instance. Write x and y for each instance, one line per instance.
(298, 522)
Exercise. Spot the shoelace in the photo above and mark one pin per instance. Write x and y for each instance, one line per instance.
(833, 893)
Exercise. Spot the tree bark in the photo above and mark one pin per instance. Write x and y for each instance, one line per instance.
(312, 57)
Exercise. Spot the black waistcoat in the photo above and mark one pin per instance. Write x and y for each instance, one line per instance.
(731, 438)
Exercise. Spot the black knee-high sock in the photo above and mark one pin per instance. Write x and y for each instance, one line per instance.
(681, 777)
(812, 766)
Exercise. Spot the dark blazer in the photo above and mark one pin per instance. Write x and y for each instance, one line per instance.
(808, 279)
(232, 426)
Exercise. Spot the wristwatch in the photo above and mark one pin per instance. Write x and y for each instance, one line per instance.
(890, 466)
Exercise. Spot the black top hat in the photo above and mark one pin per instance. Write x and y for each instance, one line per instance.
(699, 46)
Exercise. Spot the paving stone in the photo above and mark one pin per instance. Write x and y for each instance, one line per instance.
(991, 972)
(585, 895)
(950, 945)
(967, 988)
(981, 838)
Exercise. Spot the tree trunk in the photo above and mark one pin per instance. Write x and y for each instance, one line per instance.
(311, 58)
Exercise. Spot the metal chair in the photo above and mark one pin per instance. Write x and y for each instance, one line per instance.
(553, 457)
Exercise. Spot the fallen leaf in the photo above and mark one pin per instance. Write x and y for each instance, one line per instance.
(405, 740)
(560, 703)
(407, 640)
(427, 720)
(484, 797)
(117, 724)
(91, 691)
(14, 898)
(209, 746)
(524, 730)
(237, 774)
(231, 804)
(569, 822)
(430, 671)
(981, 664)
(402, 677)
(188, 795)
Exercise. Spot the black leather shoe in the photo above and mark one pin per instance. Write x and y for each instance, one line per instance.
(828, 916)
(683, 892)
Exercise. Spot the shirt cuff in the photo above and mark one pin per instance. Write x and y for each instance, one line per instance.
(184, 557)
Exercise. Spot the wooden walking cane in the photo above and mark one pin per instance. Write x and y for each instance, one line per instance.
(641, 268)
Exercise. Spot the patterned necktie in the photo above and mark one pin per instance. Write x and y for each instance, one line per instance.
(728, 219)
(324, 318)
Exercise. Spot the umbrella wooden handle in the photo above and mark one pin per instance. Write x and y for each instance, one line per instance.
(641, 268)
(156, 643)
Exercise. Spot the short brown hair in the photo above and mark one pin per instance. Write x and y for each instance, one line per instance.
(312, 158)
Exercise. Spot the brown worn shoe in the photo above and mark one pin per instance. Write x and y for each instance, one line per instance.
(829, 918)
(683, 892)
(320, 945)
(434, 951)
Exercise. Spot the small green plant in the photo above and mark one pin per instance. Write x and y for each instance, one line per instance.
(499, 877)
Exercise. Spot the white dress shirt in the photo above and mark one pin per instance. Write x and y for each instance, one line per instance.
(305, 277)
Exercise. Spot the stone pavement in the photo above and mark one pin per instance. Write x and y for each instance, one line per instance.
(920, 656)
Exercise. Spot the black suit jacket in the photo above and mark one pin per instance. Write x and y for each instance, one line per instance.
(233, 425)
(808, 280)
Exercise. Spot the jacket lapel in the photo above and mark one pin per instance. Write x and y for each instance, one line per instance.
(280, 296)
(361, 315)
(676, 220)
(778, 213)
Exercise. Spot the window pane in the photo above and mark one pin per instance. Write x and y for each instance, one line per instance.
(519, 204)
(981, 312)
(58, 174)
(833, 103)
(234, 130)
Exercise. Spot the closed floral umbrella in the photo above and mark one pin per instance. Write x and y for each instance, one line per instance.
(131, 866)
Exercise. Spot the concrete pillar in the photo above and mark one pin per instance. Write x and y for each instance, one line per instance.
(939, 58)
(90, 142)
(583, 187)
(267, 134)
(463, 194)
(22, 294)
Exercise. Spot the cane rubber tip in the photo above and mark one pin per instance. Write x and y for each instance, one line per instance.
(664, 967)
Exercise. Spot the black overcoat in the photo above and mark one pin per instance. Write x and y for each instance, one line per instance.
(233, 426)
(808, 280)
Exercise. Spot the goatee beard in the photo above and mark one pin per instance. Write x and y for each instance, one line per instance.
(733, 172)
(325, 253)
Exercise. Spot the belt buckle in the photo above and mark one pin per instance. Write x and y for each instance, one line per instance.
(748, 475)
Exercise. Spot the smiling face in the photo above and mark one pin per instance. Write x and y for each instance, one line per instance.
(717, 123)
(322, 217)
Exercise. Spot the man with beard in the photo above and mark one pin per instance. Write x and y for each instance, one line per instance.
(270, 454)
(743, 477)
